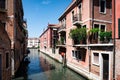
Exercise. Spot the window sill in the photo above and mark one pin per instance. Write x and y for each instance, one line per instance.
(104, 13)
(96, 64)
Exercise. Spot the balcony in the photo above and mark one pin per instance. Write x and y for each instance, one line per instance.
(2, 6)
(77, 20)
(62, 28)
(62, 40)
(61, 43)
(97, 37)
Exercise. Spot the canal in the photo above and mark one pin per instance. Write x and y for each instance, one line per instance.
(42, 67)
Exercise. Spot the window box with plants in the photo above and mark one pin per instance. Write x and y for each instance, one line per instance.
(78, 35)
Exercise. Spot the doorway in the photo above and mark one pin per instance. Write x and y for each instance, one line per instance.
(105, 66)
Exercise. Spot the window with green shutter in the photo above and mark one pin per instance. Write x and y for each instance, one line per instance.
(119, 27)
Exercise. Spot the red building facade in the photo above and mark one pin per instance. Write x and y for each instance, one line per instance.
(116, 37)
(48, 38)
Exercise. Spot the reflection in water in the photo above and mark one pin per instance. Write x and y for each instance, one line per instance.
(42, 67)
(55, 70)
(22, 71)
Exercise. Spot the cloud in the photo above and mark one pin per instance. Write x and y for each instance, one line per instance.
(45, 2)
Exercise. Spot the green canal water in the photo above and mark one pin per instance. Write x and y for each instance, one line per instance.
(42, 67)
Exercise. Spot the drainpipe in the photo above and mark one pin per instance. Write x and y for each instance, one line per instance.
(92, 23)
(114, 40)
(92, 13)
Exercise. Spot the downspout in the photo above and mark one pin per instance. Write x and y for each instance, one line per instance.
(114, 40)
(92, 23)
(92, 13)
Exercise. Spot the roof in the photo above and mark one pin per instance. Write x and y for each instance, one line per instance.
(69, 8)
(50, 26)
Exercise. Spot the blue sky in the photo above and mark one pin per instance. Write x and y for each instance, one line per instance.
(41, 12)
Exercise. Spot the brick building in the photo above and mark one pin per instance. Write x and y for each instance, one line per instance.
(5, 45)
(48, 40)
(116, 37)
(90, 50)
(89, 56)
(17, 32)
(33, 42)
(25, 39)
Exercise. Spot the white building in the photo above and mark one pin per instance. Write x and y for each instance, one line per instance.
(33, 42)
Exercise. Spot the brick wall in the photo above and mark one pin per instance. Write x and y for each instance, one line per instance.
(117, 59)
(5, 49)
(102, 16)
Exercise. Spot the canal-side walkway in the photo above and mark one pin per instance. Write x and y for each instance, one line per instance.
(42, 67)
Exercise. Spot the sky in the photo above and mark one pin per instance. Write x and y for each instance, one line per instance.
(38, 13)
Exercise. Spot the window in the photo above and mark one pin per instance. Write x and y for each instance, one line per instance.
(73, 53)
(95, 58)
(79, 56)
(110, 8)
(7, 60)
(80, 10)
(101, 27)
(2, 4)
(72, 16)
(102, 6)
(76, 54)
(96, 34)
(119, 27)
(64, 23)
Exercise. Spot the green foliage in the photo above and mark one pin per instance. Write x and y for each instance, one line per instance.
(38, 47)
(105, 35)
(102, 36)
(62, 40)
(108, 35)
(94, 30)
(78, 34)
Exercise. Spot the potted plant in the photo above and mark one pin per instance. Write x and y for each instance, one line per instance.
(78, 35)
(108, 35)
(92, 33)
(94, 30)
(102, 36)
(105, 36)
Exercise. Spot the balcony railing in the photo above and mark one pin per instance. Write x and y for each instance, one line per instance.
(2, 4)
(77, 18)
(61, 42)
(62, 27)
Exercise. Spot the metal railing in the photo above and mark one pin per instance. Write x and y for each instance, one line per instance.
(77, 17)
(62, 26)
